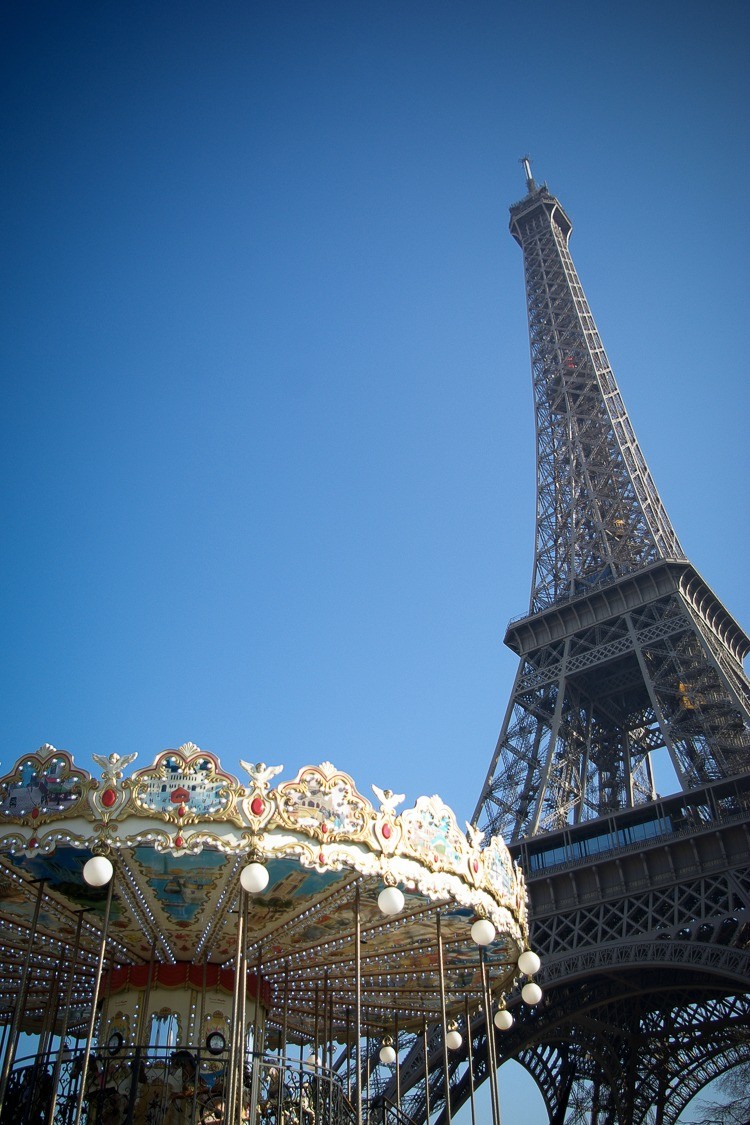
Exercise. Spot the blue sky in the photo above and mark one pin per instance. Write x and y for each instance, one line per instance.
(267, 431)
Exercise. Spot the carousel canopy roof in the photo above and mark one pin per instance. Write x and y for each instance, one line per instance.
(179, 834)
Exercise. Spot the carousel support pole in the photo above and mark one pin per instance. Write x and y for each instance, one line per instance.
(257, 1040)
(101, 1033)
(140, 1027)
(398, 1064)
(143, 1030)
(50, 1017)
(197, 1040)
(65, 1017)
(243, 1062)
(490, 1031)
(330, 1042)
(230, 1086)
(368, 1049)
(326, 1025)
(316, 1057)
(202, 1009)
(4, 1040)
(331, 1029)
(426, 1049)
(12, 1045)
(284, 1028)
(94, 996)
(358, 1000)
(348, 1054)
(444, 1017)
(470, 1048)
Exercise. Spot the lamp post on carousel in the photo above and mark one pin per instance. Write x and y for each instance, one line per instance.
(97, 872)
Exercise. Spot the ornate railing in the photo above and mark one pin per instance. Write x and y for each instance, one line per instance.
(183, 1086)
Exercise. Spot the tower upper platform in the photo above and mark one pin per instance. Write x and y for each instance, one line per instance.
(525, 214)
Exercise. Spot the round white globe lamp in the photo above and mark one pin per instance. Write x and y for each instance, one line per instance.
(97, 871)
(503, 1020)
(453, 1039)
(391, 900)
(254, 878)
(531, 993)
(483, 932)
(529, 963)
(387, 1054)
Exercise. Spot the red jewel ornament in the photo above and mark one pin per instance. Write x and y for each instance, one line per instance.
(108, 798)
(181, 811)
(257, 806)
(33, 843)
(386, 831)
(321, 859)
(324, 828)
(34, 814)
(475, 865)
(178, 841)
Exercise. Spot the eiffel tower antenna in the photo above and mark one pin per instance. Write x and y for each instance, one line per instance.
(640, 904)
(530, 181)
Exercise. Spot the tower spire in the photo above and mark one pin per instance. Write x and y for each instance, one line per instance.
(530, 181)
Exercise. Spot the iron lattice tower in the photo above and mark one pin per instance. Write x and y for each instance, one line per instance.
(640, 904)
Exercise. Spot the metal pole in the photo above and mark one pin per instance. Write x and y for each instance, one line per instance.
(284, 1025)
(358, 1000)
(398, 1064)
(446, 1063)
(368, 1051)
(231, 1084)
(426, 1071)
(331, 1034)
(12, 1046)
(318, 1072)
(49, 1018)
(65, 1019)
(326, 1026)
(490, 1028)
(257, 1042)
(143, 1031)
(348, 1054)
(94, 997)
(470, 1046)
(202, 1010)
(243, 1015)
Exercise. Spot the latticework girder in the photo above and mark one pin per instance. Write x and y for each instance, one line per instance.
(599, 515)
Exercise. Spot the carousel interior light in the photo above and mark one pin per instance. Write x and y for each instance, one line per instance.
(503, 1020)
(98, 871)
(531, 993)
(254, 878)
(483, 932)
(529, 963)
(391, 900)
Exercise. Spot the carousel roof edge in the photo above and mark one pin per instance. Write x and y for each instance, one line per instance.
(185, 801)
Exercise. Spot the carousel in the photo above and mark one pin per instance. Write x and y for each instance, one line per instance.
(179, 946)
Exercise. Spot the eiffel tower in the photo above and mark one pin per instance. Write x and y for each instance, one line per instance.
(640, 904)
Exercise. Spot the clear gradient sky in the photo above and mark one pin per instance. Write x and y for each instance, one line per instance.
(267, 430)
